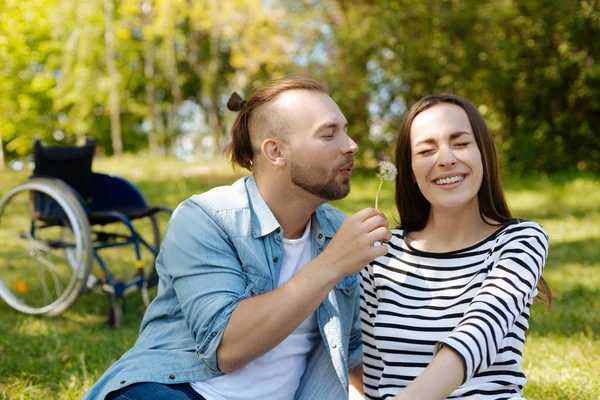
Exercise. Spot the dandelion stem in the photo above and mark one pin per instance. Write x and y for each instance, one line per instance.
(377, 197)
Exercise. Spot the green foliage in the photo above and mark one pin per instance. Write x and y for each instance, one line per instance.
(531, 67)
(55, 80)
(26, 74)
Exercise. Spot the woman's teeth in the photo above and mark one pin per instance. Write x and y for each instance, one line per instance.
(452, 179)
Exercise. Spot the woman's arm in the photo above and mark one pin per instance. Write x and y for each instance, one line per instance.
(441, 377)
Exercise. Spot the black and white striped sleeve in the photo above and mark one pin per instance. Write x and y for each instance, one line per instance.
(372, 362)
(508, 289)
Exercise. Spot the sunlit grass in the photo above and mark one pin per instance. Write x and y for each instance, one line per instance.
(564, 368)
(160, 168)
(62, 357)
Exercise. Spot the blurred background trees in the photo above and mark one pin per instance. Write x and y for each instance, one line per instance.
(154, 75)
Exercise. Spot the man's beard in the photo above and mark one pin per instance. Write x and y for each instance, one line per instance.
(308, 178)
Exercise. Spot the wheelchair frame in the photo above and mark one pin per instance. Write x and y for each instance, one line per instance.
(56, 208)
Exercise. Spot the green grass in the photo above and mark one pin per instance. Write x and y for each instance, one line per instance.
(61, 357)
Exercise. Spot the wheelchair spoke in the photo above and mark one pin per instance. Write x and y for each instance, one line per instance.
(53, 271)
(45, 291)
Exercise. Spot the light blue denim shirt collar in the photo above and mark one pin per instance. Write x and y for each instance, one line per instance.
(263, 220)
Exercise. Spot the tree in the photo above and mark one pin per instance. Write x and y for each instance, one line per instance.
(149, 74)
(529, 66)
(113, 78)
(26, 76)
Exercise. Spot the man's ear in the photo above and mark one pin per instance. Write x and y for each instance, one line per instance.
(272, 150)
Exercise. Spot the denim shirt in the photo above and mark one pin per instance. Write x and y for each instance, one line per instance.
(222, 247)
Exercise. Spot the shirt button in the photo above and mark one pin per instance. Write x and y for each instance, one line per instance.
(333, 345)
(277, 230)
(320, 236)
(275, 260)
(171, 377)
(122, 382)
(213, 334)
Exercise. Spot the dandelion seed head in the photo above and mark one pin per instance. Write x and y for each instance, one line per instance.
(387, 171)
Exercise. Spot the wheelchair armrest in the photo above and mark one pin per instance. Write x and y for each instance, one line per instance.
(110, 192)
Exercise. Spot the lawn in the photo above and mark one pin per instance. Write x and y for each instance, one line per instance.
(61, 357)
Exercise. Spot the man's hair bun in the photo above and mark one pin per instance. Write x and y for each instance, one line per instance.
(236, 103)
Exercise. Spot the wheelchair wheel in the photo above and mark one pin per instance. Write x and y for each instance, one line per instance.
(46, 252)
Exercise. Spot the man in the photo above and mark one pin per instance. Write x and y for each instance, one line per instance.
(258, 297)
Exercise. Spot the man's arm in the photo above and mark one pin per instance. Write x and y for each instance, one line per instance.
(200, 261)
(260, 323)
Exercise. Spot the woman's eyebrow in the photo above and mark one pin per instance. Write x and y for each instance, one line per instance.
(425, 141)
(453, 136)
(456, 135)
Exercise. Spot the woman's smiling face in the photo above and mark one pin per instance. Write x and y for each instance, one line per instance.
(446, 162)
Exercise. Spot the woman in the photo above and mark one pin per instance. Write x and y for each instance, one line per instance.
(444, 313)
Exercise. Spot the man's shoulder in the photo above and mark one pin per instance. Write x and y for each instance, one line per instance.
(234, 196)
(214, 205)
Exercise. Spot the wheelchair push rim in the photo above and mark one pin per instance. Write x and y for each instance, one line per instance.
(46, 251)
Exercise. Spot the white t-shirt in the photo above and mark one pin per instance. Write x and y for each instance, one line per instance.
(276, 374)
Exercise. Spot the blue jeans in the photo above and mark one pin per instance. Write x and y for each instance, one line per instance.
(155, 391)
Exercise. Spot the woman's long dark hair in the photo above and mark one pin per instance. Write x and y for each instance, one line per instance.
(414, 208)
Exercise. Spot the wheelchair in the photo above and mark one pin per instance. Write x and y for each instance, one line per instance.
(54, 225)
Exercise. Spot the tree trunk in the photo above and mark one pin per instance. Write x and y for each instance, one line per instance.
(149, 74)
(111, 66)
(172, 75)
(1, 154)
(173, 72)
(214, 69)
(209, 82)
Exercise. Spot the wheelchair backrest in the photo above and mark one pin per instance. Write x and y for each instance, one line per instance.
(71, 164)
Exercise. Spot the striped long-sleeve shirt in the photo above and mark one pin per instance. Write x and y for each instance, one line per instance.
(475, 301)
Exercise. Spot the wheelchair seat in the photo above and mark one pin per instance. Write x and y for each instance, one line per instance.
(113, 197)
